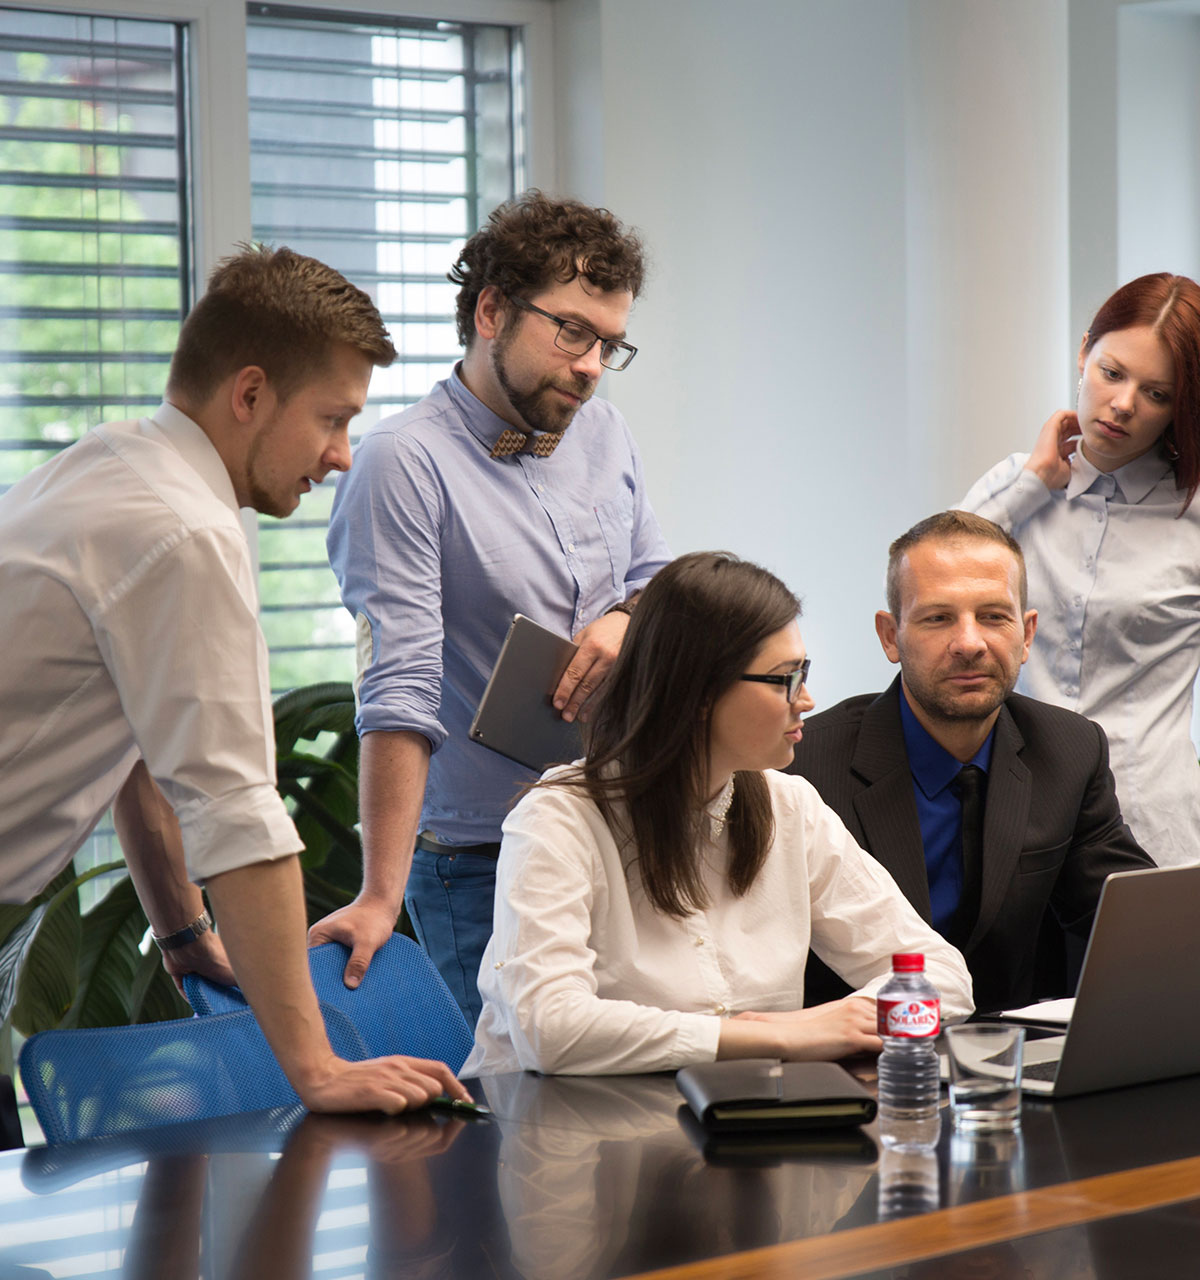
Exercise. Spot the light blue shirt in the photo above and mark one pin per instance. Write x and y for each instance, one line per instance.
(436, 545)
(1114, 573)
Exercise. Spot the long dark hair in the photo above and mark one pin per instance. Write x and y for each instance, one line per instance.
(696, 628)
(1170, 305)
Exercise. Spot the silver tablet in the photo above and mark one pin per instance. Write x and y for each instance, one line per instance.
(516, 716)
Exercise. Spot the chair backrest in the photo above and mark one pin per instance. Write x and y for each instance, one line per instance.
(97, 1081)
(401, 1006)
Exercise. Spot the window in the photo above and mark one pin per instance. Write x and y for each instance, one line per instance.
(376, 147)
(94, 260)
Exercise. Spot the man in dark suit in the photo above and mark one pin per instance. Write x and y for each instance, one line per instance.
(996, 814)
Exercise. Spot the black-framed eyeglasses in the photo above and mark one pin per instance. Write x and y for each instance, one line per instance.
(793, 682)
(577, 339)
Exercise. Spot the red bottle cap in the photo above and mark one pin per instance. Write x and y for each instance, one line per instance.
(908, 963)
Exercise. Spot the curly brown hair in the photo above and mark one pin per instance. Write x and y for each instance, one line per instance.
(533, 241)
(277, 309)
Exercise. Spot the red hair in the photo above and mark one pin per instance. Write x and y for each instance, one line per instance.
(1170, 305)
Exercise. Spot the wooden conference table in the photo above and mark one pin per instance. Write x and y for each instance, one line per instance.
(583, 1178)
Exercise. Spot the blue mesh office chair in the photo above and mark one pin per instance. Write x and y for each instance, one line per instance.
(98, 1081)
(401, 1006)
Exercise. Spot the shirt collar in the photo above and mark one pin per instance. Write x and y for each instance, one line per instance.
(481, 422)
(196, 449)
(1133, 481)
(717, 810)
(933, 767)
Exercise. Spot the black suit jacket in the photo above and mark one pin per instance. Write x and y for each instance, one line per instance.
(1052, 827)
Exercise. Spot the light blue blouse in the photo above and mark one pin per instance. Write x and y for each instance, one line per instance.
(1114, 573)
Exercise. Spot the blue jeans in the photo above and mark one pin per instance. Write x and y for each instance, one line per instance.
(449, 898)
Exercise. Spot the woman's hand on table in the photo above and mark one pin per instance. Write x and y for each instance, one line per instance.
(822, 1033)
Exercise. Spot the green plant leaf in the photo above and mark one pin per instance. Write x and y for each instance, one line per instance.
(50, 973)
(108, 959)
(56, 951)
(13, 955)
(310, 710)
(153, 996)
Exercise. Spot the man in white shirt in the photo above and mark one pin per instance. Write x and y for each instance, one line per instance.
(136, 672)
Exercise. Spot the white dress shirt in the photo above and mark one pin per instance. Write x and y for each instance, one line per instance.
(584, 976)
(129, 628)
(1114, 573)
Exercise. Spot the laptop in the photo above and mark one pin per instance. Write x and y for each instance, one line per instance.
(1134, 1018)
(516, 716)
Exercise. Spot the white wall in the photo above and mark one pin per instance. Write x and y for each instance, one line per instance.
(763, 159)
(857, 211)
(1158, 151)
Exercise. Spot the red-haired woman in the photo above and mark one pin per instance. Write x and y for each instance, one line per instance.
(1103, 509)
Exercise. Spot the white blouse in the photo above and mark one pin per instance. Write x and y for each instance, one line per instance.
(584, 976)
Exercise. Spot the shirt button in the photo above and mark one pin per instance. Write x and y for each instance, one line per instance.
(541, 488)
(570, 546)
(1078, 600)
(699, 942)
(498, 965)
(720, 1009)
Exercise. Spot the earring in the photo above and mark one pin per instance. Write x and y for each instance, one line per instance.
(1169, 445)
(1079, 388)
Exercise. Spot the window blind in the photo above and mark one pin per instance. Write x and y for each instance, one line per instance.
(376, 146)
(94, 259)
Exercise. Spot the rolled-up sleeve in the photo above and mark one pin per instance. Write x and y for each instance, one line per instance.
(181, 640)
(385, 548)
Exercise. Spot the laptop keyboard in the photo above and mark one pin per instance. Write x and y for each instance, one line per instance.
(1040, 1070)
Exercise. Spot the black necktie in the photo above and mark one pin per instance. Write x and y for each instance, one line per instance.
(971, 785)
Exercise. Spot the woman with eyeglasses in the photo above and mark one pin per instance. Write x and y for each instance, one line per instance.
(656, 901)
(1103, 510)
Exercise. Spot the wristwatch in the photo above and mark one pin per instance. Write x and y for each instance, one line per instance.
(622, 606)
(181, 937)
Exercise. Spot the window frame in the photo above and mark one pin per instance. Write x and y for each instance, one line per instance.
(220, 107)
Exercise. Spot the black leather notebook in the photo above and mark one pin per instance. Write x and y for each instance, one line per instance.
(764, 1093)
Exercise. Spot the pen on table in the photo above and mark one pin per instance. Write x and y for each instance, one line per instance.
(460, 1107)
(776, 1072)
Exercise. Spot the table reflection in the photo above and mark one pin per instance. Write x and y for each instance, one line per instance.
(601, 1176)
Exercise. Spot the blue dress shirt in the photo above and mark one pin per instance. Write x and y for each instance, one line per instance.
(939, 811)
(436, 545)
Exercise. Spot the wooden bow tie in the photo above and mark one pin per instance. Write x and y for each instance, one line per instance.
(541, 446)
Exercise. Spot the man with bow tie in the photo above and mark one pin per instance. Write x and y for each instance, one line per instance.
(508, 489)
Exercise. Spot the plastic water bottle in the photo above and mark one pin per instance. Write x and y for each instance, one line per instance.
(908, 1009)
(908, 1183)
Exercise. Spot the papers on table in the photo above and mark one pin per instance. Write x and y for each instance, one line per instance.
(1056, 1013)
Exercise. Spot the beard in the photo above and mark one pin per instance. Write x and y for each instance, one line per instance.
(262, 499)
(540, 409)
(943, 703)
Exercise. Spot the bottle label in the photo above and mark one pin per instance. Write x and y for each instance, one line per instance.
(909, 1018)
